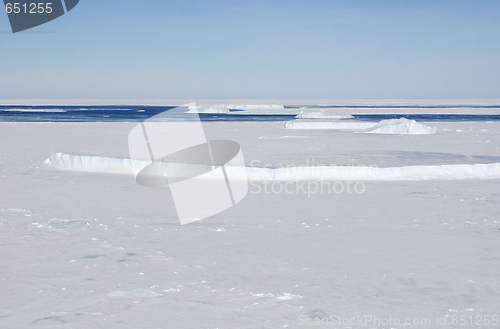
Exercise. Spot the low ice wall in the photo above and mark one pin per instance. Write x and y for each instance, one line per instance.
(456, 171)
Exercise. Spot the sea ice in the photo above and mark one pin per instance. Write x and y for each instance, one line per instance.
(402, 249)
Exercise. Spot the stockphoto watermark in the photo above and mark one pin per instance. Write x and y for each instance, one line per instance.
(26, 14)
(206, 177)
(392, 322)
(171, 150)
(362, 320)
(308, 178)
(309, 187)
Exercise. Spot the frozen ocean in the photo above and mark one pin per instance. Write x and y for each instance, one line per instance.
(358, 215)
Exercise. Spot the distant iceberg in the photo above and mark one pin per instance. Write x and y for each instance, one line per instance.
(340, 125)
(322, 114)
(252, 107)
(401, 126)
(208, 109)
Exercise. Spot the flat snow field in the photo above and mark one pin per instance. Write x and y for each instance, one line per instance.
(83, 249)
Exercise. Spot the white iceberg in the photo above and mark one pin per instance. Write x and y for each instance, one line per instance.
(401, 126)
(208, 109)
(253, 107)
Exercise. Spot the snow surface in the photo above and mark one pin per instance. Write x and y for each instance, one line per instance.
(94, 250)
(401, 126)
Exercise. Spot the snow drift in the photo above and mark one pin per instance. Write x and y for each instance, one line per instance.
(456, 171)
(401, 126)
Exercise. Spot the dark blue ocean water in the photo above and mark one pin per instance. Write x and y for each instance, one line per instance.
(140, 113)
(113, 114)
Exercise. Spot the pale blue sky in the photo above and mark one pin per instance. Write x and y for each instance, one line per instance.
(125, 49)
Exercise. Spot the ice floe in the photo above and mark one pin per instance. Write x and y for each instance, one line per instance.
(401, 126)
(340, 125)
(322, 114)
(208, 109)
(253, 107)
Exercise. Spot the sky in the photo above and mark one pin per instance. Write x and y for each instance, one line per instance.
(314, 49)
